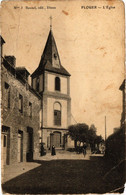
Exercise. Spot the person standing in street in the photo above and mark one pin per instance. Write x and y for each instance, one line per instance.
(53, 151)
(84, 149)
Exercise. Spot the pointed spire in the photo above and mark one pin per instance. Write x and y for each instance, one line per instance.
(50, 22)
(50, 53)
(50, 59)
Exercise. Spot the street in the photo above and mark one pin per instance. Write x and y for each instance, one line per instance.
(66, 176)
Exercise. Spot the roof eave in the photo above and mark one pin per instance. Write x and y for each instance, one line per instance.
(57, 72)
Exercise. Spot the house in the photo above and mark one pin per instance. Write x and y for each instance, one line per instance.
(20, 114)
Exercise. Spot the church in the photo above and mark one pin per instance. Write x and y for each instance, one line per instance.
(52, 81)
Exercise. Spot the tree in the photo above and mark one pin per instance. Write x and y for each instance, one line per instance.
(78, 132)
(115, 146)
(82, 133)
(92, 133)
(98, 140)
(73, 133)
(92, 136)
(93, 128)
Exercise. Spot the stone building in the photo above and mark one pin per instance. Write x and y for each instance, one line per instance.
(52, 81)
(20, 108)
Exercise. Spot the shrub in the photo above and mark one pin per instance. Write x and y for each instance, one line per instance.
(115, 146)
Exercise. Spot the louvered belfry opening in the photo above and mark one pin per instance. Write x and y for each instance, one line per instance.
(57, 84)
(57, 114)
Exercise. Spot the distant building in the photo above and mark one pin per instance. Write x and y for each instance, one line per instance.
(52, 81)
(20, 108)
(122, 88)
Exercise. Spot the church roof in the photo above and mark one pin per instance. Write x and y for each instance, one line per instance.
(50, 60)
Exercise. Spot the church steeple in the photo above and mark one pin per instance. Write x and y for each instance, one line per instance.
(50, 54)
(50, 59)
(52, 82)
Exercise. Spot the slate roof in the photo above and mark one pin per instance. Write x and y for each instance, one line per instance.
(22, 69)
(18, 76)
(46, 62)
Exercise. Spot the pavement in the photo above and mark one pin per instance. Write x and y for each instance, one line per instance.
(11, 171)
(65, 173)
(65, 155)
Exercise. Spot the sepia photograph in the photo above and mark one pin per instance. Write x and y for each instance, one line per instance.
(62, 96)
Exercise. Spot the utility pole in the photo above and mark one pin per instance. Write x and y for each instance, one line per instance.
(105, 129)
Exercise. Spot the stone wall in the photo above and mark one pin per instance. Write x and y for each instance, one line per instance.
(16, 120)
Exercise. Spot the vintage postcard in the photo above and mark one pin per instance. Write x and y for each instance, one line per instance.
(62, 96)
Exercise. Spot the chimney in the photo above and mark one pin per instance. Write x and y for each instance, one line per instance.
(11, 60)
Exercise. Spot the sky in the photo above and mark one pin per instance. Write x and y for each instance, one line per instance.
(90, 43)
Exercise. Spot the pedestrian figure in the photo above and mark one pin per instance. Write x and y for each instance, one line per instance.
(53, 151)
(84, 148)
(102, 149)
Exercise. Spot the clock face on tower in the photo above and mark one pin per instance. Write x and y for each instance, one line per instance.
(56, 61)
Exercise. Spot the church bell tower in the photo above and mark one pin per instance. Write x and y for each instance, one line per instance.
(52, 81)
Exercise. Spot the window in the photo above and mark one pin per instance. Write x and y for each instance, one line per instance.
(57, 114)
(30, 109)
(7, 95)
(57, 84)
(57, 117)
(5, 141)
(20, 103)
(37, 84)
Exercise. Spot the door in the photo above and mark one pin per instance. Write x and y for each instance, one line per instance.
(29, 156)
(5, 145)
(55, 139)
(30, 147)
(4, 149)
(19, 147)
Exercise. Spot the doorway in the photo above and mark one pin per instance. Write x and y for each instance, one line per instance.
(29, 156)
(5, 145)
(20, 146)
(55, 139)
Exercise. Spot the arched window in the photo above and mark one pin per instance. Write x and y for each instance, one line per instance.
(37, 84)
(57, 114)
(57, 84)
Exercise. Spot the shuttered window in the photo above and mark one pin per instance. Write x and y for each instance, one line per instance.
(57, 114)
(7, 95)
(57, 117)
